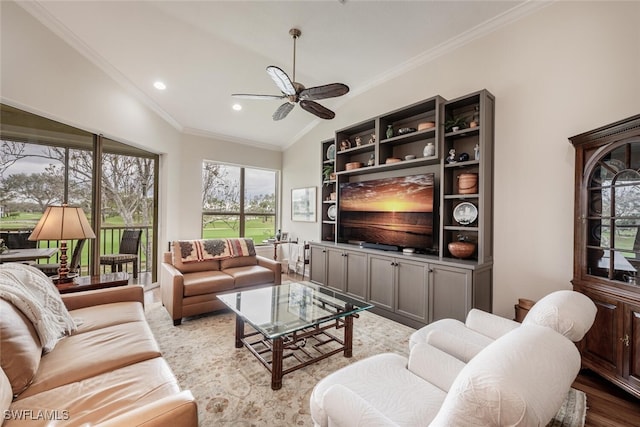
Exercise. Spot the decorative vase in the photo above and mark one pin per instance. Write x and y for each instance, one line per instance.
(468, 183)
(389, 131)
(429, 150)
(461, 249)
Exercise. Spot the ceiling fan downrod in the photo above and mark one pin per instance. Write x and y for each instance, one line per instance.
(295, 33)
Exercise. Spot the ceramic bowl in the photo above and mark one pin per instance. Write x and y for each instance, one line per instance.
(461, 250)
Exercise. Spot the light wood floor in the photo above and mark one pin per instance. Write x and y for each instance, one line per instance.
(608, 405)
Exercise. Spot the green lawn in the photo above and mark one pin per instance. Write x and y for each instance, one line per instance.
(257, 229)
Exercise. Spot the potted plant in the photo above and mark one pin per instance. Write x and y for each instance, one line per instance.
(328, 174)
(453, 123)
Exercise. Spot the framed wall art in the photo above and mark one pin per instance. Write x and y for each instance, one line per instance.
(303, 204)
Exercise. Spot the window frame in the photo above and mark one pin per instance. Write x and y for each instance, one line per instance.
(242, 214)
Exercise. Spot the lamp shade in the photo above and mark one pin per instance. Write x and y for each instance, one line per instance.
(62, 223)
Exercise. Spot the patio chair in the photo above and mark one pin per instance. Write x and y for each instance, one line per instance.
(18, 240)
(129, 246)
(74, 265)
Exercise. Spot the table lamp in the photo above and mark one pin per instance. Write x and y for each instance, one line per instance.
(63, 223)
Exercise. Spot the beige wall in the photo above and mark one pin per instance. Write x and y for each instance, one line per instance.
(563, 70)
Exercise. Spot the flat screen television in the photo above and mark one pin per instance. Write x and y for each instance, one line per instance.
(391, 211)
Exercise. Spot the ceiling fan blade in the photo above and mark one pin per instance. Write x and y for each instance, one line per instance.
(282, 80)
(317, 109)
(282, 111)
(324, 91)
(254, 96)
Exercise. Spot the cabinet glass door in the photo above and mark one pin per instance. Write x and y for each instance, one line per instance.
(613, 214)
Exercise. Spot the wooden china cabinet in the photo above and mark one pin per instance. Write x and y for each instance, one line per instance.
(607, 248)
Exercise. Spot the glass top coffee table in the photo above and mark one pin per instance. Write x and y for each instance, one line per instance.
(292, 322)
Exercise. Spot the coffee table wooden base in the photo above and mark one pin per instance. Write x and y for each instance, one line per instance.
(272, 352)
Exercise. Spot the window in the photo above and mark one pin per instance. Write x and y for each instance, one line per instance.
(238, 202)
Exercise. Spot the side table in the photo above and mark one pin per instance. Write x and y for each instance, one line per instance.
(88, 283)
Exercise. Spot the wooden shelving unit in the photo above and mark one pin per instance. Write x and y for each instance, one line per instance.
(419, 288)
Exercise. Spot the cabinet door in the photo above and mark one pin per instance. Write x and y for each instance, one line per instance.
(411, 297)
(631, 342)
(318, 272)
(602, 345)
(336, 262)
(356, 280)
(450, 293)
(381, 281)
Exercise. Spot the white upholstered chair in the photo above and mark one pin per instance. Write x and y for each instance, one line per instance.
(515, 375)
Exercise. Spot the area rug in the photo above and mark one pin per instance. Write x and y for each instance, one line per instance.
(233, 388)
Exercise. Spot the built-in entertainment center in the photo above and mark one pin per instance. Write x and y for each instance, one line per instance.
(407, 210)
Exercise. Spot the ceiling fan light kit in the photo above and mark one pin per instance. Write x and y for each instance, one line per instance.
(296, 93)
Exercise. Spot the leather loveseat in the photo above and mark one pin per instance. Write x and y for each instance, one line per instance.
(196, 271)
(107, 372)
(487, 372)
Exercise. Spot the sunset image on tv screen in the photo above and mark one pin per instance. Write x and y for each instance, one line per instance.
(394, 211)
(406, 194)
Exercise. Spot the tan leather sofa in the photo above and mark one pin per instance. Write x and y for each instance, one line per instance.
(191, 288)
(108, 373)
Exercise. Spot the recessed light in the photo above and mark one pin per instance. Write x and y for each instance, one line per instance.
(237, 107)
(159, 85)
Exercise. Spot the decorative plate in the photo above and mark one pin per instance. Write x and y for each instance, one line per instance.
(331, 152)
(331, 212)
(465, 213)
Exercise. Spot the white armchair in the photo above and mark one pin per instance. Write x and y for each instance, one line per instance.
(567, 312)
(457, 376)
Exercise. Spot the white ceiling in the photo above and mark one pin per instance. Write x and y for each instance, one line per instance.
(205, 50)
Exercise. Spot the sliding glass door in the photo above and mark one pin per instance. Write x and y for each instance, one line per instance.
(43, 162)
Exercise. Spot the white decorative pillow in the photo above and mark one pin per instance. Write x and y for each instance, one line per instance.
(569, 313)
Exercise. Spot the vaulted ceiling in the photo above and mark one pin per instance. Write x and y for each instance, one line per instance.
(206, 50)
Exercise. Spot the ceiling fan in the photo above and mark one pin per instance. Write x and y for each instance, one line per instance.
(295, 92)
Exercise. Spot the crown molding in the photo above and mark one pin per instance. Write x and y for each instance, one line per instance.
(232, 139)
